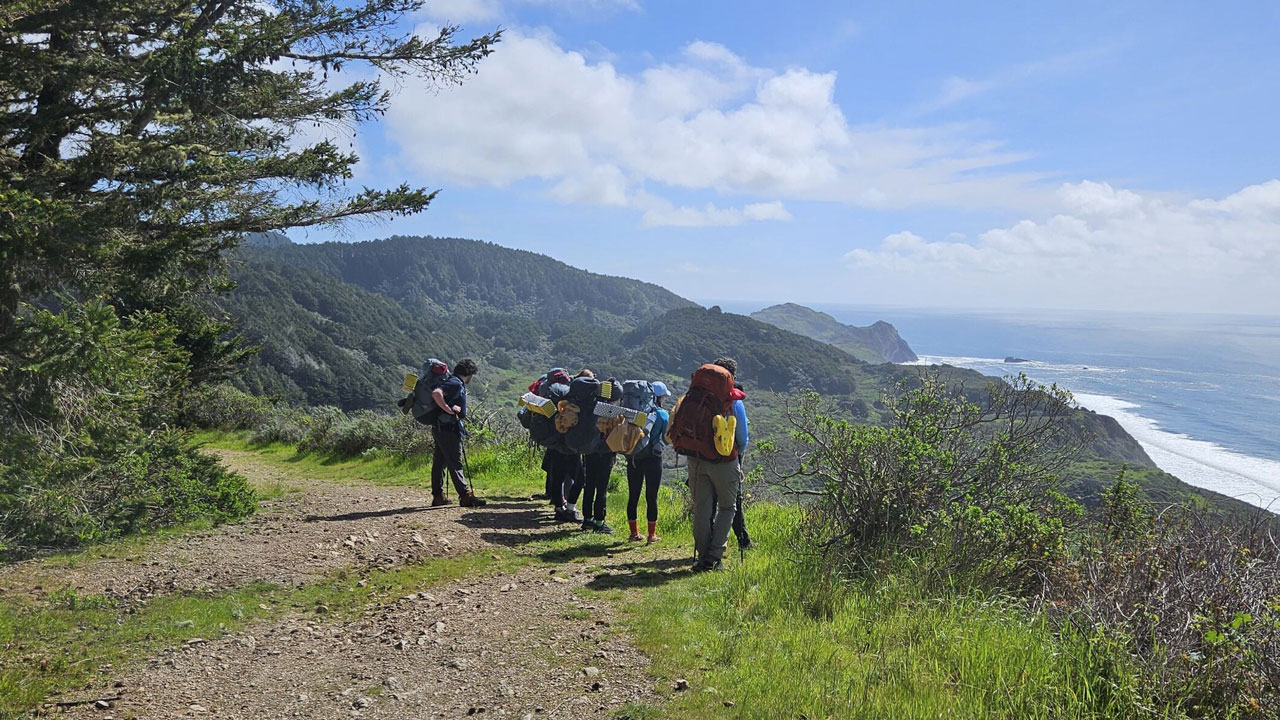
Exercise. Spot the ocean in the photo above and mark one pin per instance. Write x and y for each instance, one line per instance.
(1201, 393)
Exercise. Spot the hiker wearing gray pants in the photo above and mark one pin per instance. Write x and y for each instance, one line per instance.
(714, 487)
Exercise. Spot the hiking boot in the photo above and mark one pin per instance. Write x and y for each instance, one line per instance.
(588, 525)
(704, 566)
(603, 529)
(470, 500)
(566, 515)
(438, 499)
(653, 539)
(635, 538)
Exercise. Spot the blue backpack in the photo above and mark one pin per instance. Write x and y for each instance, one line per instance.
(638, 395)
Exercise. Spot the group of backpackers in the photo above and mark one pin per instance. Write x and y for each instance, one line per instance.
(584, 423)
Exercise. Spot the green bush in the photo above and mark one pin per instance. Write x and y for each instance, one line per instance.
(966, 489)
(90, 454)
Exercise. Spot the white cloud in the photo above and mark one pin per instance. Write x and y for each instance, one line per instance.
(707, 121)
(1111, 248)
(462, 11)
(662, 214)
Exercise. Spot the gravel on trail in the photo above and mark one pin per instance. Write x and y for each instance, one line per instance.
(524, 644)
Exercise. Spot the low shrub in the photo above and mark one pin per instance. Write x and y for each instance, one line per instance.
(1192, 597)
(88, 451)
(968, 490)
(61, 501)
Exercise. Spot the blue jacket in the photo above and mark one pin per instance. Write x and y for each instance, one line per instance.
(658, 441)
(742, 435)
(455, 393)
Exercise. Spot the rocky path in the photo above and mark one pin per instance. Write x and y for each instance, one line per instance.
(522, 644)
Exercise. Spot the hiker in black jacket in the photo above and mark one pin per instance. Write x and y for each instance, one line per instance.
(451, 397)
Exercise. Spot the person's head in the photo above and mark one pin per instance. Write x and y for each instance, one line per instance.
(584, 373)
(727, 363)
(660, 392)
(465, 369)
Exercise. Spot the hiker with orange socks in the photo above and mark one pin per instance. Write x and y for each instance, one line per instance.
(644, 470)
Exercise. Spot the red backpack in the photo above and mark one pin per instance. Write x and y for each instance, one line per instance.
(710, 394)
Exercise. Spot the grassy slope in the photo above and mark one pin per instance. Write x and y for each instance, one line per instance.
(768, 638)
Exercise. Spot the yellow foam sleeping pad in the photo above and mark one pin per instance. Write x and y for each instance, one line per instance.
(724, 427)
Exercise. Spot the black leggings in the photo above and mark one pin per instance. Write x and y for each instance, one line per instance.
(563, 477)
(646, 472)
(596, 489)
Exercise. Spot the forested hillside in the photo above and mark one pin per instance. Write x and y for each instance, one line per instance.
(465, 277)
(327, 342)
(876, 343)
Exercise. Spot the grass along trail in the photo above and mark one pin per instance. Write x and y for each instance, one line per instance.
(345, 596)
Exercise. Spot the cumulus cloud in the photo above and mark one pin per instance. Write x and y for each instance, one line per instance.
(1134, 250)
(707, 120)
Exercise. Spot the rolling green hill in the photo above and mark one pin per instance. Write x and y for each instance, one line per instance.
(339, 324)
(464, 277)
(877, 343)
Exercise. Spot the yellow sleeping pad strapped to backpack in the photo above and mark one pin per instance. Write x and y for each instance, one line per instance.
(725, 428)
(538, 404)
(410, 382)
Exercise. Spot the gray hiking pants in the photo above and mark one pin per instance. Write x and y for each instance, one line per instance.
(714, 488)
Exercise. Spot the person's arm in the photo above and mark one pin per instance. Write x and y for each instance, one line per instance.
(438, 396)
(741, 435)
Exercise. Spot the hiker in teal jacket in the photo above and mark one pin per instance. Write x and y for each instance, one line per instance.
(644, 471)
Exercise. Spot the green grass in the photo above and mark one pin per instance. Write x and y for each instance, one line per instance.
(778, 639)
(68, 640)
(772, 636)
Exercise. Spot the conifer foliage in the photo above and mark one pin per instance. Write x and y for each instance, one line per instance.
(139, 141)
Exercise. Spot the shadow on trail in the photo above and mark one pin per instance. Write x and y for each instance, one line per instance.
(366, 514)
(642, 575)
(527, 524)
(594, 550)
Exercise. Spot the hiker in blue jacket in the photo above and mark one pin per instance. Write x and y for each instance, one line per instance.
(451, 397)
(644, 471)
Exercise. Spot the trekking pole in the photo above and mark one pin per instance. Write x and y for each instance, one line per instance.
(466, 464)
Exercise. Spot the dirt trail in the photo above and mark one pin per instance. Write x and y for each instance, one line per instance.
(521, 644)
(311, 531)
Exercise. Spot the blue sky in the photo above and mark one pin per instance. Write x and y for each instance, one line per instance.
(1087, 155)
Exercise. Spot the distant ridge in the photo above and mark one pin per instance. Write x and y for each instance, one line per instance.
(878, 343)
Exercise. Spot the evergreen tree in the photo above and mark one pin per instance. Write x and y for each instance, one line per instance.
(139, 141)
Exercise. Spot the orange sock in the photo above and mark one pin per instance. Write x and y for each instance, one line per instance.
(653, 529)
(635, 527)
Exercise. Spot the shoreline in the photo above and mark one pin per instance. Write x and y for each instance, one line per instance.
(1201, 463)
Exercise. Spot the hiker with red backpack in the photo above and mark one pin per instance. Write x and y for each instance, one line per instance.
(709, 427)
(449, 395)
